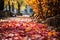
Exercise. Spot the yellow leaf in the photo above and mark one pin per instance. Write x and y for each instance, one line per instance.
(49, 34)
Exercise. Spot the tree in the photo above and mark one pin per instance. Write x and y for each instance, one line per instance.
(44, 8)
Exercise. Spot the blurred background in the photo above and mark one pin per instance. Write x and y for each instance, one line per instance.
(45, 10)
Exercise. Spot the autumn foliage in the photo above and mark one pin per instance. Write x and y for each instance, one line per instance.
(44, 8)
(19, 30)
